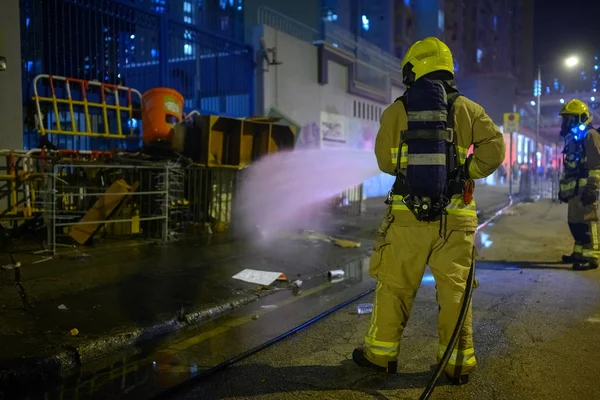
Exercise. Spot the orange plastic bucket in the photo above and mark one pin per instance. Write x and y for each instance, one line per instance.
(162, 108)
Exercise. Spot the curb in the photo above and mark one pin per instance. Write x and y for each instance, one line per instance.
(58, 361)
(64, 358)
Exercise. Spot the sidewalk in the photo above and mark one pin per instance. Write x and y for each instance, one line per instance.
(116, 298)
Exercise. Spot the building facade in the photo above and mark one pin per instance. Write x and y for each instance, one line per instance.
(491, 37)
(492, 43)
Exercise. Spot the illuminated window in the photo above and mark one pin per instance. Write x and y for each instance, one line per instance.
(187, 20)
(224, 22)
(479, 55)
(160, 8)
(224, 3)
(187, 7)
(441, 20)
(187, 49)
(365, 23)
(331, 16)
(407, 3)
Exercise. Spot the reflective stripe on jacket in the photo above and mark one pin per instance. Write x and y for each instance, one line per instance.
(472, 126)
(571, 186)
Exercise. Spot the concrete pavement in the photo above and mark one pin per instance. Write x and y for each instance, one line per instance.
(536, 323)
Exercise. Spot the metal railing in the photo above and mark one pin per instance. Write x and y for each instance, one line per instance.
(529, 187)
(349, 202)
(369, 54)
(86, 108)
(287, 25)
(153, 201)
(81, 200)
(364, 50)
(131, 44)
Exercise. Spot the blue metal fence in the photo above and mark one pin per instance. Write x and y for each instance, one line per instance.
(139, 44)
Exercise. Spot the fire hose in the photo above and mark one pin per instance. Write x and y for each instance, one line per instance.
(454, 339)
(467, 296)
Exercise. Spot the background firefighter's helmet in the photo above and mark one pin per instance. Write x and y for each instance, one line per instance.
(426, 56)
(575, 113)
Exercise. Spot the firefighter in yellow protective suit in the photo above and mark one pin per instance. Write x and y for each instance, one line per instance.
(405, 245)
(580, 183)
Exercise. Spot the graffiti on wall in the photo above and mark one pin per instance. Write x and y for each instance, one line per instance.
(309, 136)
(334, 130)
(362, 133)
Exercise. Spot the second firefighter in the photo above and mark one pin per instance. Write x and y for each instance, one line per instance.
(580, 183)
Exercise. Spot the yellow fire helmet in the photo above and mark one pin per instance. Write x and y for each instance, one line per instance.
(579, 109)
(425, 56)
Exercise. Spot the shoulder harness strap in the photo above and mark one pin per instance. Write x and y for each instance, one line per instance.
(451, 99)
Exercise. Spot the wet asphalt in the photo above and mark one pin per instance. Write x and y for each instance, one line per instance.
(536, 324)
(147, 369)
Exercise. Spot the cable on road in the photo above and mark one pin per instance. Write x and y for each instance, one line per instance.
(467, 296)
(454, 339)
(193, 381)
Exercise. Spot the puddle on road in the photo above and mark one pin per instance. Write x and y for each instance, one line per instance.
(146, 371)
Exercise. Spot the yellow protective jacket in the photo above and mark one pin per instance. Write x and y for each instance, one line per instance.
(572, 185)
(472, 126)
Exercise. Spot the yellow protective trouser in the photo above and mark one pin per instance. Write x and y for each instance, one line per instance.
(398, 263)
(584, 228)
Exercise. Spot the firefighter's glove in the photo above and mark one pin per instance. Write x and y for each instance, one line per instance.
(588, 197)
(465, 168)
(563, 199)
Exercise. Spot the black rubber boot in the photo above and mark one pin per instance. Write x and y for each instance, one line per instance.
(460, 380)
(585, 265)
(571, 258)
(359, 358)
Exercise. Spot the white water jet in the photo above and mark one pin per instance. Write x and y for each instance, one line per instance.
(278, 189)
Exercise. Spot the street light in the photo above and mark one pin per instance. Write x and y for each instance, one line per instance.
(572, 61)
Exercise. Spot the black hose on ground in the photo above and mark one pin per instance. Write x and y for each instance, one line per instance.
(454, 339)
(176, 391)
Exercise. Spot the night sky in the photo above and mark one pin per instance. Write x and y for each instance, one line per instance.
(564, 27)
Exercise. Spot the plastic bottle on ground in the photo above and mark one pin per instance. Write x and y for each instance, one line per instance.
(366, 308)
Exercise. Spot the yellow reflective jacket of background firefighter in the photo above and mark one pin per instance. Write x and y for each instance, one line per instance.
(574, 185)
(472, 126)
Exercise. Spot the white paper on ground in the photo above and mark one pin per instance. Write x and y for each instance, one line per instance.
(258, 277)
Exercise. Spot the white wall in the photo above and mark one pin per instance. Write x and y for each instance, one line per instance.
(397, 92)
(11, 111)
(293, 89)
